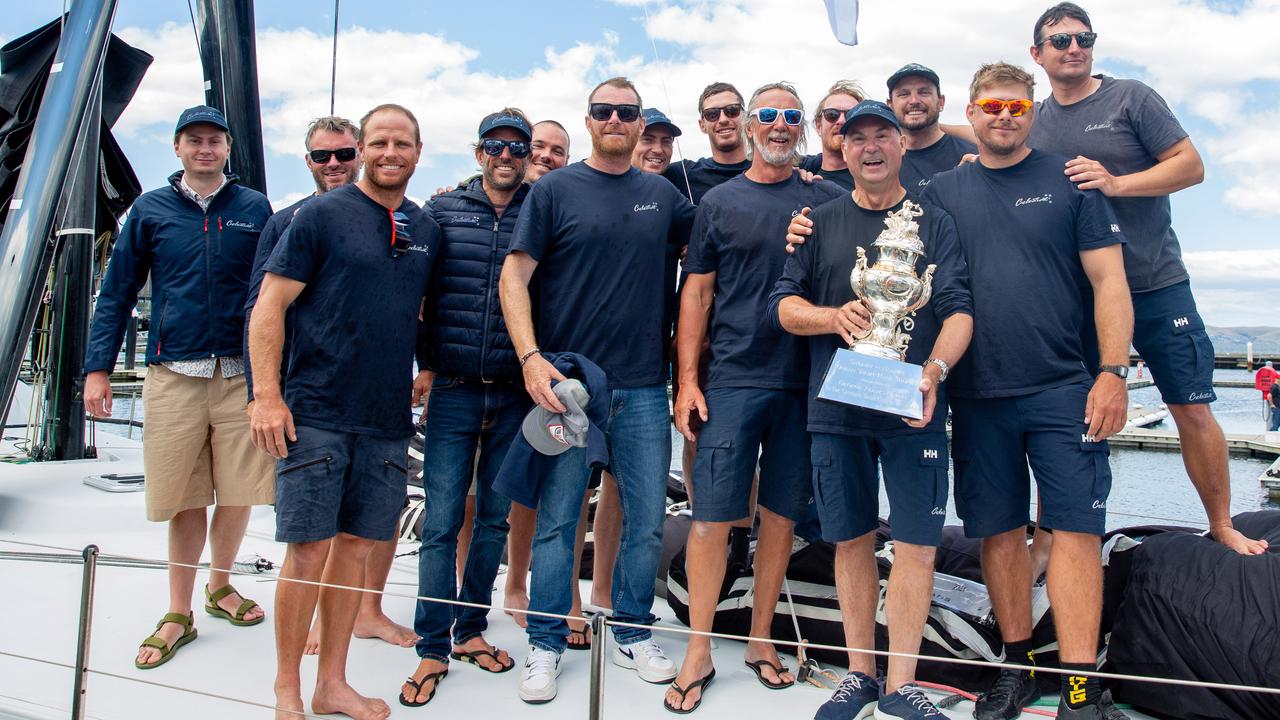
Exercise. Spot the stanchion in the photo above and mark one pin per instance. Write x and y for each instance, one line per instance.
(82, 640)
(599, 639)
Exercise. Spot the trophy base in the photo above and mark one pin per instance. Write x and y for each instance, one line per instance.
(866, 347)
(885, 384)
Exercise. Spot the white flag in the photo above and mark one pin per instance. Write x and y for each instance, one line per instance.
(843, 15)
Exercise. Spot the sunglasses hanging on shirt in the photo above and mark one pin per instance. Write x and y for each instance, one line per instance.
(400, 236)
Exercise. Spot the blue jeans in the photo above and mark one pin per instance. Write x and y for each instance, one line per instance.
(639, 440)
(463, 417)
(1275, 420)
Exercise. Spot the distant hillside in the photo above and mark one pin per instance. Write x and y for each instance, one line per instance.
(1234, 339)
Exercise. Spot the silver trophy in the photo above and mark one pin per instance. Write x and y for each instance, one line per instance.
(890, 289)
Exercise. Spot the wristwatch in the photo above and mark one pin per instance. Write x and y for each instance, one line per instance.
(1121, 371)
(942, 365)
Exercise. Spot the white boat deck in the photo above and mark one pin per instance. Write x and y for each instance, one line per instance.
(48, 504)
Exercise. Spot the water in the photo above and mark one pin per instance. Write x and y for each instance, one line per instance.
(1148, 487)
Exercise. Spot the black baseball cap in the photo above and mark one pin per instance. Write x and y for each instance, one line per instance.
(870, 108)
(654, 116)
(201, 114)
(493, 121)
(914, 69)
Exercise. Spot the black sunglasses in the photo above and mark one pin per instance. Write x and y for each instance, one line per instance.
(400, 236)
(832, 114)
(1062, 41)
(601, 112)
(713, 114)
(519, 148)
(320, 157)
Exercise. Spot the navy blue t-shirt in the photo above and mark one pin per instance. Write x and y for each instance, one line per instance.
(339, 244)
(1022, 229)
(919, 166)
(703, 175)
(736, 236)
(819, 272)
(271, 232)
(813, 163)
(603, 244)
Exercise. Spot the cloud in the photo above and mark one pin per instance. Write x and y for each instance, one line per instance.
(1235, 287)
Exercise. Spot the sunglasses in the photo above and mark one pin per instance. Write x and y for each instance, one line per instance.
(713, 114)
(400, 236)
(320, 157)
(769, 116)
(1062, 41)
(601, 112)
(992, 106)
(518, 148)
(832, 114)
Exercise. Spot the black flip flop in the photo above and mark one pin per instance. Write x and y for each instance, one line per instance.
(474, 656)
(757, 666)
(417, 688)
(586, 639)
(702, 684)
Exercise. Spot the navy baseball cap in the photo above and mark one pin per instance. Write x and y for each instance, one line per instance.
(493, 121)
(201, 114)
(914, 69)
(654, 116)
(870, 108)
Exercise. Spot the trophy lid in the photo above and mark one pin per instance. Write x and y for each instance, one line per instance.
(901, 231)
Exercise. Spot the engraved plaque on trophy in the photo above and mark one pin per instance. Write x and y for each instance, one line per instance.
(872, 372)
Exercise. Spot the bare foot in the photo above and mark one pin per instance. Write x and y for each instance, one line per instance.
(289, 705)
(1233, 539)
(313, 639)
(520, 601)
(427, 688)
(488, 662)
(342, 698)
(693, 669)
(380, 626)
(231, 604)
(765, 651)
(169, 633)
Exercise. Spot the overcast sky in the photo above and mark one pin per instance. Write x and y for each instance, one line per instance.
(1215, 63)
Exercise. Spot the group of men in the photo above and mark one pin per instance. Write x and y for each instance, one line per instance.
(1049, 227)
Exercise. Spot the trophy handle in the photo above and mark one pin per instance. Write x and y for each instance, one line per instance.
(858, 277)
(927, 280)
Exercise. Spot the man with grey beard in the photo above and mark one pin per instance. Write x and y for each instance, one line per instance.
(755, 388)
(469, 373)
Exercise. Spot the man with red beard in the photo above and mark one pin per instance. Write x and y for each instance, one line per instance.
(598, 233)
(828, 121)
(359, 257)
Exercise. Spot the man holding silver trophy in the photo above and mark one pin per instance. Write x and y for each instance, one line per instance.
(816, 298)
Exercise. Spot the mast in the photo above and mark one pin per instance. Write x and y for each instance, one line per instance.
(26, 245)
(229, 56)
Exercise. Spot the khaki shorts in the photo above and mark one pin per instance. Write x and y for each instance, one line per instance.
(197, 449)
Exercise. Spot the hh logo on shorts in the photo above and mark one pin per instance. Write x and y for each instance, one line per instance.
(1115, 228)
(1087, 438)
(929, 454)
(1181, 322)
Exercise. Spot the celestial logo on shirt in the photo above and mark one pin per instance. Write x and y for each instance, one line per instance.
(1199, 396)
(938, 511)
(1045, 198)
(1099, 504)
(645, 207)
(466, 219)
(242, 225)
(924, 182)
(1098, 126)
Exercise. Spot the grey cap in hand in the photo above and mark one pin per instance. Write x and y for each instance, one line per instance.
(553, 433)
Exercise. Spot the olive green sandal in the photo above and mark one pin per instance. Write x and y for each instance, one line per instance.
(211, 607)
(166, 651)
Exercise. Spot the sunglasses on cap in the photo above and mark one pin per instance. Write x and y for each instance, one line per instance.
(713, 114)
(494, 147)
(400, 236)
(320, 157)
(992, 106)
(601, 112)
(1062, 41)
(769, 116)
(832, 114)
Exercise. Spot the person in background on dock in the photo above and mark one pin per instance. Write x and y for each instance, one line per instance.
(852, 447)
(359, 256)
(1123, 141)
(470, 381)
(197, 451)
(334, 162)
(1273, 401)
(597, 235)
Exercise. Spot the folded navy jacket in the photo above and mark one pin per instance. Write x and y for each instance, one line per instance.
(524, 469)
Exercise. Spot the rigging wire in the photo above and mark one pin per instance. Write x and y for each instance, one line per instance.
(662, 77)
(333, 75)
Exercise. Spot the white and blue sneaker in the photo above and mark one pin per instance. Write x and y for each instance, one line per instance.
(907, 703)
(854, 699)
(538, 678)
(647, 659)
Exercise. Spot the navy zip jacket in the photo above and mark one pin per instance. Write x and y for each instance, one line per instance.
(468, 336)
(199, 265)
(524, 469)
